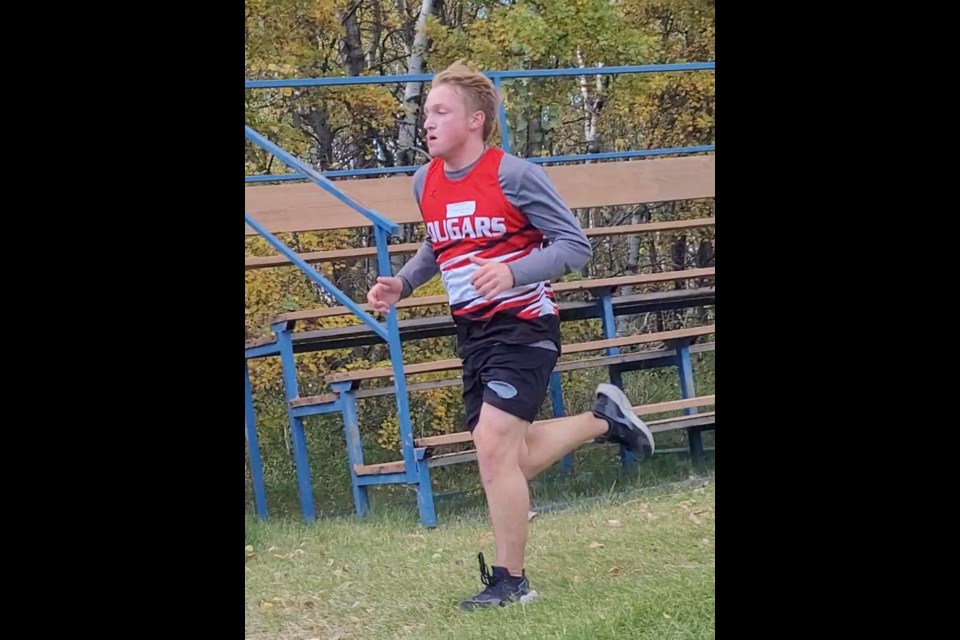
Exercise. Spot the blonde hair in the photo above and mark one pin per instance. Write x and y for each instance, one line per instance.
(476, 89)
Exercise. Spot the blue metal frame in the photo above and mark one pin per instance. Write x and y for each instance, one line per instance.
(559, 411)
(351, 429)
(390, 333)
(319, 180)
(290, 390)
(502, 117)
(315, 275)
(580, 157)
(616, 377)
(688, 390)
(497, 77)
(253, 447)
(416, 469)
(396, 361)
(494, 75)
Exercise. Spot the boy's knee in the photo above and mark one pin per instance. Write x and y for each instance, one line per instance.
(497, 437)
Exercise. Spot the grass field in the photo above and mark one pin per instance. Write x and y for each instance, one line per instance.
(635, 560)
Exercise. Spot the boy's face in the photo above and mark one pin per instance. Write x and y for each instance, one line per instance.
(448, 123)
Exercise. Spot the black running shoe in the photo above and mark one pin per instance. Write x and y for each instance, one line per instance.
(502, 589)
(625, 427)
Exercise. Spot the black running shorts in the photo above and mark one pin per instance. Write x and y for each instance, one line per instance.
(512, 378)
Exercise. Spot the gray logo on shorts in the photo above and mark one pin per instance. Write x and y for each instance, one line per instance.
(502, 389)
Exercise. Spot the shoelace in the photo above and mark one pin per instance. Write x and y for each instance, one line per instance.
(486, 577)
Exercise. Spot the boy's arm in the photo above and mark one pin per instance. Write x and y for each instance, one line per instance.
(423, 265)
(527, 187)
(419, 269)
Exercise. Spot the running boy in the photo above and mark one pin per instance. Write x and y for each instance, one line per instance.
(487, 215)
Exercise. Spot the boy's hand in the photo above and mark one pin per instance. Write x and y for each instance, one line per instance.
(492, 278)
(385, 293)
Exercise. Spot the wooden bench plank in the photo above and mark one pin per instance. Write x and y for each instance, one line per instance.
(643, 410)
(387, 372)
(658, 426)
(441, 460)
(628, 358)
(683, 422)
(312, 257)
(456, 457)
(259, 342)
(413, 387)
(313, 314)
(644, 338)
(442, 325)
(640, 278)
(593, 345)
(676, 405)
(559, 287)
(312, 400)
(570, 365)
(650, 227)
(444, 440)
(307, 207)
(379, 469)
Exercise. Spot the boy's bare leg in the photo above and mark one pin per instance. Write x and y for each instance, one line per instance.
(508, 447)
(498, 438)
(548, 442)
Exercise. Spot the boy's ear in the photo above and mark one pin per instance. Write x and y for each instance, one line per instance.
(476, 122)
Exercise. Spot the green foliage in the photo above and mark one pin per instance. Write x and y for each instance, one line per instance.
(342, 127)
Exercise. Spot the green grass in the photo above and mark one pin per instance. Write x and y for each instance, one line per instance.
(387, 577)
(635, 561)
